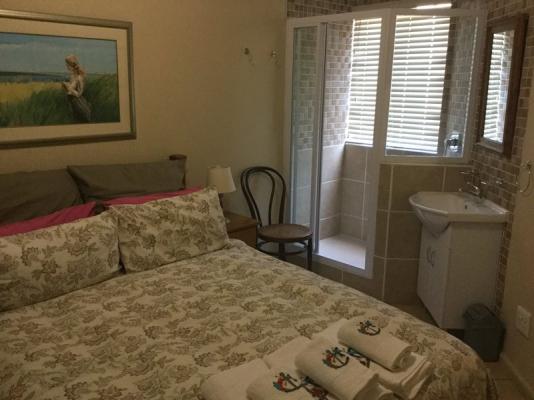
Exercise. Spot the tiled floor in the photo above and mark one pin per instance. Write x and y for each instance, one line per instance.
(506, 386)
(344, 249)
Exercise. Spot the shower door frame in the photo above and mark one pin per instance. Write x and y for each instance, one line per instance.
(378, 151)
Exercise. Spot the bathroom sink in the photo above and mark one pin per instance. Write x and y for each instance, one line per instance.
(437, 210)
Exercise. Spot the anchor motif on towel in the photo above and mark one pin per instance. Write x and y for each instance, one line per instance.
(287, 384)
(365, 361)
(315, 390)
(335, 358)
(368, 328)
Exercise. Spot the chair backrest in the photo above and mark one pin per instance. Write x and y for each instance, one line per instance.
(275, 179)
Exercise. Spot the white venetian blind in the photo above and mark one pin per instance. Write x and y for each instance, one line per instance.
(497, 88)
(418, 79)
(364, 75)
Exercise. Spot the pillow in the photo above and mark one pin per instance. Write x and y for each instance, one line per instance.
(104, 182)
(47, 263)
(26, 195)
(64, 216)
(148, 197)
(169, 230)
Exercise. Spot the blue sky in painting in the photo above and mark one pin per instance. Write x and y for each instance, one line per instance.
(41, 54)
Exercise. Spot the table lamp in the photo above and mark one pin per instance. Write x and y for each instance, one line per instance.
(221, 178)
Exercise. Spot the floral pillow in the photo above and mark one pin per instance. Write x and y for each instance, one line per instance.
(46, 263)
(164, 231)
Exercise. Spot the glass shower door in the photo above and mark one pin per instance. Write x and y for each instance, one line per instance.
(304, 122)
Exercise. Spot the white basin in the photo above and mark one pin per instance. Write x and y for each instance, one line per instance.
(437, 210)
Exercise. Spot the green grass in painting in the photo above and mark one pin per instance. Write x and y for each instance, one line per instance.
(50, 106)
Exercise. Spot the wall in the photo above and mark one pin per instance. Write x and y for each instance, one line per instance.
(196, 92)
(494, 166)
(398, 231)
(354, 186)
(518, 350)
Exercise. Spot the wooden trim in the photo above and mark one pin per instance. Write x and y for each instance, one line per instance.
(183, 159)
(519, 25)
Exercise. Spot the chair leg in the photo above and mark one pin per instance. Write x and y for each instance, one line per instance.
(310, 253)
(282, 251)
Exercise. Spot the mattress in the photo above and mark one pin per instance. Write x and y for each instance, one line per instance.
(160, 333)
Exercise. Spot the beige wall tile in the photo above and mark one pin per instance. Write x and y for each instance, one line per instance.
(332, 163)
(329, 227)
(384, 186)
(381, 233)
(372, 287)
(330, 198)
(355, 162)
(401, 281)
(351, 226)
(404, 236)
(409, 179)
(352, 198)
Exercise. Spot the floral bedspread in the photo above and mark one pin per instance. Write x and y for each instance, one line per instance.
(158, 334)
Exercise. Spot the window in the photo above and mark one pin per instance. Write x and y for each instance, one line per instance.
(417, 86)
(418, 80)
(363, 82)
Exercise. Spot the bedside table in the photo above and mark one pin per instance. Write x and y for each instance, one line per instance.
(242, 228)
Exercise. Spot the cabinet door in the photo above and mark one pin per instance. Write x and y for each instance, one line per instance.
(433, 271)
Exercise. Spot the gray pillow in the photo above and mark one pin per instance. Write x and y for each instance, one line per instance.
(26, 195)
(104, 182)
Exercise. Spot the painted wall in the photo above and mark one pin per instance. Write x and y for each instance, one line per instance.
(196, 92)
(518, 350)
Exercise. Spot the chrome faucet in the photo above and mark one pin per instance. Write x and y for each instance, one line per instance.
(476, 186)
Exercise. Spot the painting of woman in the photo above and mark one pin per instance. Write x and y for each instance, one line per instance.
(81, 109)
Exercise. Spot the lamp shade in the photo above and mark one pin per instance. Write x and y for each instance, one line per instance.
(221, 178)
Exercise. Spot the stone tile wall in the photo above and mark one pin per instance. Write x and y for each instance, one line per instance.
(354, 186)
(495, 167)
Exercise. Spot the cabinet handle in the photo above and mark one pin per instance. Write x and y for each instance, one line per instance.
(433, 258)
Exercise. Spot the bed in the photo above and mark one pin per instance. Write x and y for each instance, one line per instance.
(159, 333)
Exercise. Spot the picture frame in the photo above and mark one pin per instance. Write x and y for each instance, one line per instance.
(64, 80)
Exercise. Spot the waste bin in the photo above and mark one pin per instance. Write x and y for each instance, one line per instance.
(484, 332)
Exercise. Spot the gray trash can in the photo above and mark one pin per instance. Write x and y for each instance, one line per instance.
(484, 332)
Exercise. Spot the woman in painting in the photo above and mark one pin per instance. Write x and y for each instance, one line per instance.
(81, 109)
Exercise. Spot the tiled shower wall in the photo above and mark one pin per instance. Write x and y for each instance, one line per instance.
(493, 167)
(343, 188)
(354, 187)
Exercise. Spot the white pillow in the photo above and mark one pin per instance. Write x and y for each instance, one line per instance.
(164, 231)
(46, 263)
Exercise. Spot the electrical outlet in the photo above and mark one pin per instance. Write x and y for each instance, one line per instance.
(522, 321)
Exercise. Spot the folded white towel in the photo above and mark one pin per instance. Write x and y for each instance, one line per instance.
(285, 356)
(335, 371)
(232, 384)
(284, 384)
(406, 382)
(383, 348)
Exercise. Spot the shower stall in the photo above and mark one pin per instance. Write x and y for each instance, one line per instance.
(355, 87)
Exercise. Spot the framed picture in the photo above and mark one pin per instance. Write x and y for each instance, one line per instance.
(64, 80)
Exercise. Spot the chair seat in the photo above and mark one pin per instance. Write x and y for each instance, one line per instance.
(284, 232)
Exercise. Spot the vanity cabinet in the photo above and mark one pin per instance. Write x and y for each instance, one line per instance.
(458, 268)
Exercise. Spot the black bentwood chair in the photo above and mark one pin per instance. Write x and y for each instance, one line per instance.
(278, 233)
